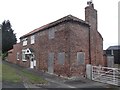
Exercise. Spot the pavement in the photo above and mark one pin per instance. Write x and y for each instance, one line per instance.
(55, 81)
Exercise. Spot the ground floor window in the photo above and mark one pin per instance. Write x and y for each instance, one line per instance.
(61, 58)
(17, 55)
(80, 57)
(23, 55)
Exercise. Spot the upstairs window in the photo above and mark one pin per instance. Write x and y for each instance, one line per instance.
(32, 38)
(51, 34)
(24, 42)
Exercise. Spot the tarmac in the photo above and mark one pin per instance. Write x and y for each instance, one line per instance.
(54, 81)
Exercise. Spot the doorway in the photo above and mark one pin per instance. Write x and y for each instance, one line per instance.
(51, 63)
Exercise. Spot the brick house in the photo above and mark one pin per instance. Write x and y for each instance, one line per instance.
(62, 47)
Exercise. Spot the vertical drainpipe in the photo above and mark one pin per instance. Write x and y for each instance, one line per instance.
(89, 48)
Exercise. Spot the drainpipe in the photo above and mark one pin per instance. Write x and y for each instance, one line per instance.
(89, 48)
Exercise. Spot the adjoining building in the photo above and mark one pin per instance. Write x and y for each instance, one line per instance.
(63, 47)
(113, 56)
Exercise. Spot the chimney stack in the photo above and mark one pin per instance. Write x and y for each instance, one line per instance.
(91, 15)
(91, 18)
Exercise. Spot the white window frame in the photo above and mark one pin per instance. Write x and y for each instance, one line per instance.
(32, 39)
(23, 55)
(18, 56)
(24, 42)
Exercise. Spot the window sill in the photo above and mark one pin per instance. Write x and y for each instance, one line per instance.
(24, 45)
(32, 43)
(24, 60)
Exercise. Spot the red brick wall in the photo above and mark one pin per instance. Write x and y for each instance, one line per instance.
(70, 37)
(79, 42)
(55, 45)
(96, 41)
(12, 56)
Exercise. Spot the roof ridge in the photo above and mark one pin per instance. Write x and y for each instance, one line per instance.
(68, 17)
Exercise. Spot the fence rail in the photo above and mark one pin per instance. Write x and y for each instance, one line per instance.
(106, 75)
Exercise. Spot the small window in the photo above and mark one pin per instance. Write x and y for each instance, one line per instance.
(32, 39)
(80, 57)
(17, 55)
(51, 34)
(24, 42)
(23, 55)
(61, 58)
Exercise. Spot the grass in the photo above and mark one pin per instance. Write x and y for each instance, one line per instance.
(11, 74)
(0, 71)
(33, 78)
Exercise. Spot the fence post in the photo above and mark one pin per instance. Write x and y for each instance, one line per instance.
(114, 79)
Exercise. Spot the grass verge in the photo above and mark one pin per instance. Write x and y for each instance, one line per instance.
(9, 74)
(34, 79)
(12, 74)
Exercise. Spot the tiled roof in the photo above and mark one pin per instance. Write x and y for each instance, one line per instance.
(10, 51)
(117, 47)
(66, 18)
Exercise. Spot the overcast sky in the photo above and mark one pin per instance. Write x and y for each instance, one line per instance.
(26, 15)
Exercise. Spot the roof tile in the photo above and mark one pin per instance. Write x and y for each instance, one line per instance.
(66, 18)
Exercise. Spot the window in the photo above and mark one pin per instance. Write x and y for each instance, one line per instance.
(24, 42)
(32, 39)
(17, 55)
(51, 34)
(23, 55)
(61, 58)
(80, 57)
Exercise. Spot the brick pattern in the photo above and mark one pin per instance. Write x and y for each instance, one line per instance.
(96, 41)
(70, 37)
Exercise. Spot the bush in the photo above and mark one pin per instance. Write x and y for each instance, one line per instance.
(4, 55)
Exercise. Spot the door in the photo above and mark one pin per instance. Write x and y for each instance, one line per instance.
(32, 63)
(51, 62)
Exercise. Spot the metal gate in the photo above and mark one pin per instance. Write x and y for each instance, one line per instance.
(106, 75)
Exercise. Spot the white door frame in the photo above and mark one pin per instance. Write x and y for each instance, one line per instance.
(31, 63)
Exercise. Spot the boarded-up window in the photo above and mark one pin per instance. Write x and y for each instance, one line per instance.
(80, 57)
(61, 58)
(50, 59)
(51, 34)
(51, 62)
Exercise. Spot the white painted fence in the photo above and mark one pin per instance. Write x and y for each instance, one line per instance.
(106, 75)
